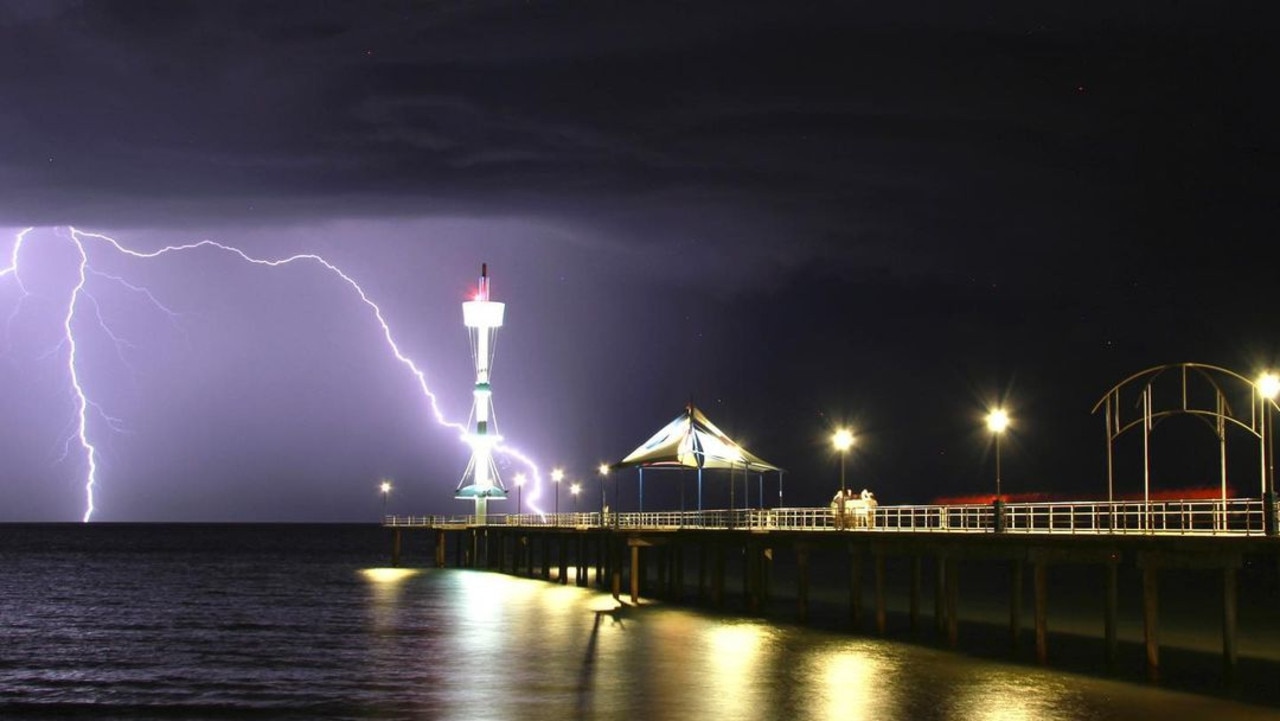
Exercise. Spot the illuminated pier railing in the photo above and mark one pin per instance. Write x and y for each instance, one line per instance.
(1234, 517)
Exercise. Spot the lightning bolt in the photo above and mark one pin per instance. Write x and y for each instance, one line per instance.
(12, 269)
(79, 296)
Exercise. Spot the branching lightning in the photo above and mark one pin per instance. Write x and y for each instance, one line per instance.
(80, 297)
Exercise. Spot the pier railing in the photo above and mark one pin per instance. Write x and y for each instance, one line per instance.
(1234, 517)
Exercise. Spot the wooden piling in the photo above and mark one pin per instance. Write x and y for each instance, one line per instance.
(1151, 617)
(855, 585)
(1042, 610)
(915, 593)
(802, 584)
(562, 558)
(1229, 652)
(546, 557)
(953, 603)
(717, 579)
(677, 572)
(939, 594)
(1015, 603)
(881, 612)
(635, 574)
(702, 573)
(1112, 614)
(615, 566)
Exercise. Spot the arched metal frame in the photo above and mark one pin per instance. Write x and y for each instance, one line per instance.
(1255, 422)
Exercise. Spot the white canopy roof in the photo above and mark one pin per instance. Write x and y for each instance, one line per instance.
(693, 441)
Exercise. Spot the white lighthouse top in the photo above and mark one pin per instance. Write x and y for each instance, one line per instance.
(482, 312)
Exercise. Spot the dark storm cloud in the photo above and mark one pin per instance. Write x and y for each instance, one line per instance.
(855, 122)
(795, 214)
(953, 134)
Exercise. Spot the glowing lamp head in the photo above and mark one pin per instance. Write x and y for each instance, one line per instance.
(1268, 385)
(520, 479)
(385, 487)
(604, 469)
(575, 488)
(482, 314)
(842, 440)
(997, 421)
(557, 475)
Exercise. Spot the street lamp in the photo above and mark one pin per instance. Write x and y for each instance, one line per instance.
(1268, 387)
(842, 440)
(604, 473)
(385, 487)
(557, 475)
(520, 479)
(573, 490)
(997, 422)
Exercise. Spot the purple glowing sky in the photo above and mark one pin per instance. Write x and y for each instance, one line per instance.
(876, 215)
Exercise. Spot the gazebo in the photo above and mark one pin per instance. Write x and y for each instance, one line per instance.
(691, 441)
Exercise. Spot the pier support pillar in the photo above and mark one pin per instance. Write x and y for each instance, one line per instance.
(802, 584)
(717, 577)
(677, 572)
(602, 562)
(881, 612)
(766, 577)
(953, 603)
(664, 571)
(395, 548)
(939, 595)
(562, 557)
(855, 586)
(441, 554)
(1112, 613)
(702, 573)
(1042, 610)
(615, 567)
(1151, 616)
(1015, 604)
(915, 594)
(546, 556)
(1229, 654)
(635, 574)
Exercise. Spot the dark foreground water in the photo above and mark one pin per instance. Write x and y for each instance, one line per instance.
(159, 621)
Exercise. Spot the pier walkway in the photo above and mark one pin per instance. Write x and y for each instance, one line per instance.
(1234, 517)
(647, 552)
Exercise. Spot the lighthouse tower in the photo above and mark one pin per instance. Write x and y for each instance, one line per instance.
(480, 482)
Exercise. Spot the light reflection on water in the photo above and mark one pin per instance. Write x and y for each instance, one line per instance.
(161, 625)
(528, 649)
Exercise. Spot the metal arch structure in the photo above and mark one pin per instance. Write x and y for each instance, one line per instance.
(1218, 417)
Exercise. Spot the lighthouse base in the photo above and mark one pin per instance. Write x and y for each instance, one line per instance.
(481, 498)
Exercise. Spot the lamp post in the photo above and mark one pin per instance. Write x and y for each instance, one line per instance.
(557, 475)
(1268, 387)
(842, 440)
(604, 473)
(997, 422)
(385, 487)
(573, 491)
(520, 479)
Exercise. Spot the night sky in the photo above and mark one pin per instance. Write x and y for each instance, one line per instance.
(797, 215)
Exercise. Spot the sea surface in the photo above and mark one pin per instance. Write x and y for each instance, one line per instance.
(108, 621)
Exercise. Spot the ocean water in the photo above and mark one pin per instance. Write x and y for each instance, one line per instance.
(306, 622)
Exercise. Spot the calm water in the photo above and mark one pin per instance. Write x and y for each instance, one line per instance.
(136, 622)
